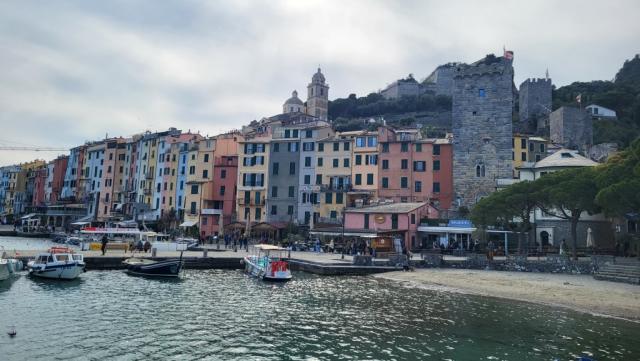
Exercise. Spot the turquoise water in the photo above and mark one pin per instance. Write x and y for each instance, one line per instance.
(225, 315)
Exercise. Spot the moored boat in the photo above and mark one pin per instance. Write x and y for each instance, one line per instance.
(4, 269)
(268, 263)
(57, 263)
(152, 268)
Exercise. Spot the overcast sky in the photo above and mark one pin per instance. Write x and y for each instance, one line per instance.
(72, 71)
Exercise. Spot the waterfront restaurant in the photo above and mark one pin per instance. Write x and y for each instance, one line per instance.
(456, 231)
(395, 220)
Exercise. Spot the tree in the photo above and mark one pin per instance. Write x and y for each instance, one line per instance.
(566, 195)
(619, 182)
(510, 209)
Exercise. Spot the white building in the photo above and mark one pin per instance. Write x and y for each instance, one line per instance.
(598, 111)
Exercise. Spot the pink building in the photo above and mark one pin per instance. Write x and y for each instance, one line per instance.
(39, 185)
(220, 195)
(412, 169)
(390, 219)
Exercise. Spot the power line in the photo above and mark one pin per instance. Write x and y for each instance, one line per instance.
(34, 149)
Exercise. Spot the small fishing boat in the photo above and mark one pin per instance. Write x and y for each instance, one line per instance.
(8, 266)
(12, 331)
(30, 227)
(268, 263)
(151, 268)
(57, 263)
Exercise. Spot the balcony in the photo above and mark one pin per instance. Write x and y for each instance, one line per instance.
(336, 188)
(251, 202)
(211, 211)
(149, 175)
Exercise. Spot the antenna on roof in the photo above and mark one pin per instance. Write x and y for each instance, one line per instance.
(546, 74)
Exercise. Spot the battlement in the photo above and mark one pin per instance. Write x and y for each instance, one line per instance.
(539, 81)
(487, 66)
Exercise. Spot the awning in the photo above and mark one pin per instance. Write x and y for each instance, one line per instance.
(28, 216)
(188, 223)
(88, 218)
(348, 234)
(80, 223)
(460, 230)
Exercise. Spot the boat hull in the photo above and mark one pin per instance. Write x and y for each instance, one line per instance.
(170, 269)
(5, 273)
(33, 234)
(66, 271)
(253, 267)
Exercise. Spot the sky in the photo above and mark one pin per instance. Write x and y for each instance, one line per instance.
(72, 71)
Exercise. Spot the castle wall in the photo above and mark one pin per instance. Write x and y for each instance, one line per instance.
(571, 127)
(535, 102)
(482, 127)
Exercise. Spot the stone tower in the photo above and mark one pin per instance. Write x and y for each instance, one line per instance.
(571, 127)
(535, 103)
(318, 96)
(482, 126)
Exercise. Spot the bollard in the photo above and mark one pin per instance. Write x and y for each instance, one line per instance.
(154, 251)
(205, 253)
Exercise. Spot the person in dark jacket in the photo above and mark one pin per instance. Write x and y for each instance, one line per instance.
(104, 242)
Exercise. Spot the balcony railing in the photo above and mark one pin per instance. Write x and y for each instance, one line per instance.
(211, 211)
(251, 202)
(336, 188)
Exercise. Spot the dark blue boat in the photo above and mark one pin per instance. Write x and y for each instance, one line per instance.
(151, 268)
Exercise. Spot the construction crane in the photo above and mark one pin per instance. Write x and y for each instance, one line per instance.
(33, 149)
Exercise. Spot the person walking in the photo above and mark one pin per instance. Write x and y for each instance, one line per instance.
(104, 242)
(563, 246)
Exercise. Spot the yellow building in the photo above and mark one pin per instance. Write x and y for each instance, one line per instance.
(333, 174)
(527, 149)
(364, 165)
(253, 175)
(199, 172)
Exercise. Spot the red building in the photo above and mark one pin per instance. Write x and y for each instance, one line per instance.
(219, 196)
(57, 180)
(39, 185)
(412, 169)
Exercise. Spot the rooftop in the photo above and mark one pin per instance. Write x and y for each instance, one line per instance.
(565, 158)
(388, 208)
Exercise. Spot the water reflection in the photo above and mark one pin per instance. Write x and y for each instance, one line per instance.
(224, 315)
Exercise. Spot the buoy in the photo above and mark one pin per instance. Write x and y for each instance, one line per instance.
(12, 332)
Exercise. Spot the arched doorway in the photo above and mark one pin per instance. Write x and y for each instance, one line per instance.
(544, 238)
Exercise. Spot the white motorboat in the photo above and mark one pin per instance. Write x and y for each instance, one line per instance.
(57, 263)
(8, 266)
(268, 263)
(4, 269)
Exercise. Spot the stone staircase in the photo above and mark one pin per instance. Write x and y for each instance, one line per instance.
(621, 270)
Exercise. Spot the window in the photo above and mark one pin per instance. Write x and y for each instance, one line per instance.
(336, 162)
(541, 147)
(276, 168)
(318, 179)
(223, 173)
(205, 173)
(347, 146)
(481, 93)
(192, 170)
(293, 147)
(258, 214)
(292, 168)
(420, 166)
(339, 198)
(287, 133)
(247, 212)
(436, 165)
(290, 210)
(222, 190)
(358, 159)
(366, 221)
(258, 197)
(336, 146)
(404, 147)
(436, 187)
(385, 182)
(334, 214)
(394, 221)
(418, 187)
(206, 158)
(274, 210)
(328, 198)
(360, 142)
(537, 157)
(532, 147)
(480, 171)
(404, 164)
(523, 143)
(320, 147)
(436, 149)
(418, 147)
(295, 133)
(404, 182)
(370, 179)
(385, 164)
(319, 161)
(345, 162)
(523, 157)
(274, 192)
(276, 147)
(308, 134)
(373, 159)
(292, 191)
(193, 208)
(413, 218)
(513, 156)
(385, 147)
(308, 146)
(372, 141)
(358, 179)
(194, 189)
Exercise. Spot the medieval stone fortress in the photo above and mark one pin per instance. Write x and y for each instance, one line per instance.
(299, 169)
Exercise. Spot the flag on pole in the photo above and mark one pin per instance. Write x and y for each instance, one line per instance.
(508, 54)
(579, 98)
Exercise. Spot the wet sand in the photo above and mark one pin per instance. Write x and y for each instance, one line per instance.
(578, 292)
